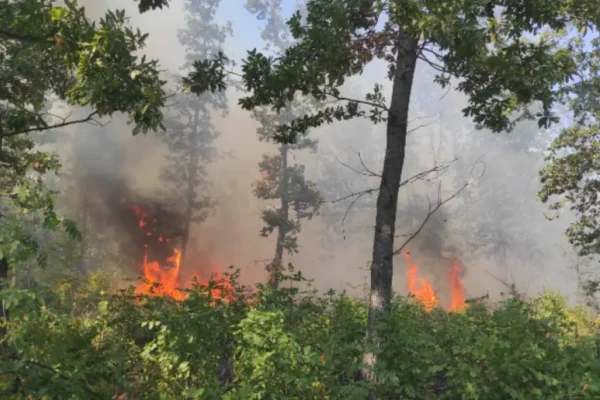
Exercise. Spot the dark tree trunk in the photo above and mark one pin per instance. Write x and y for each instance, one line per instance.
(387, 200)
(276, 265)
(83, 246)
(4, 283)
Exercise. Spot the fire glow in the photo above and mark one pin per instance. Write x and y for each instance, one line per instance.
(164, 279)
(423, 291)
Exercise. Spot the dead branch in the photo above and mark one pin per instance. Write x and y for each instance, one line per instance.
(440, 169)
(366, 172)
(434, 65)
(423, 125)
(63, 123)
(365, 167)
(353, 194)
(410, 121)
(440, 202)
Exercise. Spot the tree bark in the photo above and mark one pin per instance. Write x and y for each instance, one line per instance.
(276, 265)
(4, 270)
(387, 200)
(3, 285)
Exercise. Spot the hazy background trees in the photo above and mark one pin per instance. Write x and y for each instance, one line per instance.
(228, 234)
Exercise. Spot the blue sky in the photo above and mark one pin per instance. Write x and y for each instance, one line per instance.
(246, 27)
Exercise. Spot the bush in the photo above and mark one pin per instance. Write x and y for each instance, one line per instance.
(289, 344)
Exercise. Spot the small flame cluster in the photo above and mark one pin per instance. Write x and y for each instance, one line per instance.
(423, 291)
(161, 277)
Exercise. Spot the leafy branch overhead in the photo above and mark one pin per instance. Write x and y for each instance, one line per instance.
(52, 55)
(146, 5)
(82, 62)
(500, 71)
(571, 176)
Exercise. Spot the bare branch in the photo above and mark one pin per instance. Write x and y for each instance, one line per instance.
(447, 91)
(89, 118)
(366, 168)
(421, 175)
(367, 173)
(440, 202)
(426, 124)
(365, 102)
(435, 53)
(353, 194)
(434, 65)
(422, 117)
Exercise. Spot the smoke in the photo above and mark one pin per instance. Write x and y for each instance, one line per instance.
(496, 228)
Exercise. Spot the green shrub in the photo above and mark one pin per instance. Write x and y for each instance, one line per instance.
(289, 344)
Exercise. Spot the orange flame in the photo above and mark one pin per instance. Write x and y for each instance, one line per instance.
(457, 288)
(420, 287)
(165, 280)
(168, 279)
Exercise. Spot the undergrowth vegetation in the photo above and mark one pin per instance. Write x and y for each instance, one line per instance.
(227, 341)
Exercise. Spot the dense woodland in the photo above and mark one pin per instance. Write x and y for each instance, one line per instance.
(71, 229)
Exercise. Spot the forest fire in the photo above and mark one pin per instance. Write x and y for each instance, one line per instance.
(166, 277)
(161, 263)
(423, 291)
(457, 288)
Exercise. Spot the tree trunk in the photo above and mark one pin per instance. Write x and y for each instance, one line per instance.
(190, 195)
(83, 246)
(276, 265)
(3, 261)
(387, 199)
(3, 285)
(502, 257)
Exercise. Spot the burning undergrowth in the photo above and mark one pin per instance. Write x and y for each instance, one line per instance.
(424, 292)
(150, 231)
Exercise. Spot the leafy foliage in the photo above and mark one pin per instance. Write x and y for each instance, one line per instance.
(573, 163)
(51, 54)
(501, 71)
(146, 5)
(76, 60)
(289, 343)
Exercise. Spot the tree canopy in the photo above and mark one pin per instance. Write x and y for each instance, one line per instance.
(573, 162)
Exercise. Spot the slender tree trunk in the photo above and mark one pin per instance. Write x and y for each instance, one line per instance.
(190, 195)
(387, 200)
(502, 257)
(276, 265)
(83, 247)
(4, 269)
(3, 285)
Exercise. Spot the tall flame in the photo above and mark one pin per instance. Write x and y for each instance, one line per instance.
(420, 287)
(423, 291)
(167, 278)
(457, 288)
